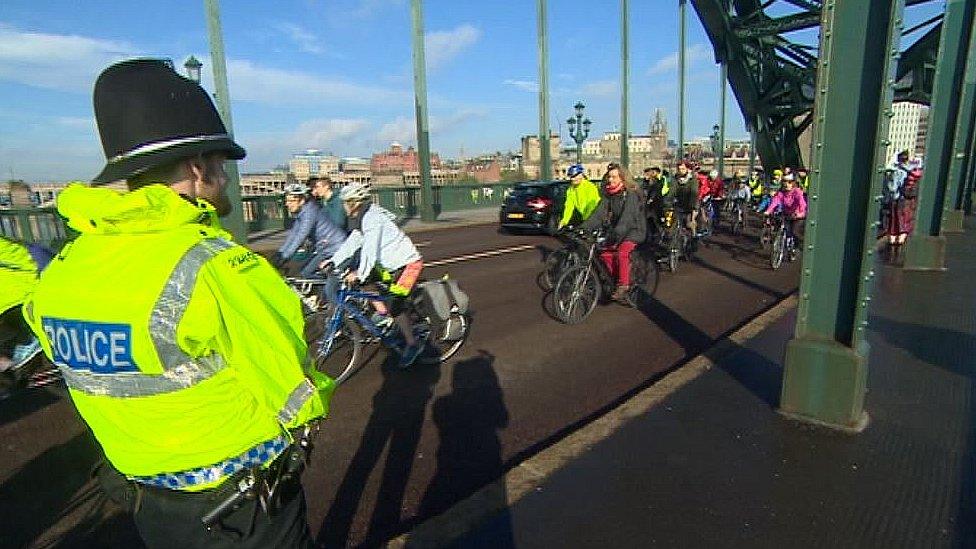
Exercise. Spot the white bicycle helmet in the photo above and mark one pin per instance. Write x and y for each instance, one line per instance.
(354, 192)
(295, 189)
(713, 174)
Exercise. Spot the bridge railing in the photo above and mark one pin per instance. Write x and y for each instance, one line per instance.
(263, 213)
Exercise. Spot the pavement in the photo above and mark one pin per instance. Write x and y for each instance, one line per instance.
(706, 461)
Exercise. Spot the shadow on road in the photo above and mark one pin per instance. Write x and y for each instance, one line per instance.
(738, 279)
(57, 485)
(469, 454)
(395, 424)
(25, 402)
(682, 332)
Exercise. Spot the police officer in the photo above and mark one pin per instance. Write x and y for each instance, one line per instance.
(182, 351)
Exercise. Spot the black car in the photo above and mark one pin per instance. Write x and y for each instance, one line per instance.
(534, 205)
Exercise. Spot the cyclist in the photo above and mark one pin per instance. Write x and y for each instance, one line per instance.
(803, 179)
(704, 195)
(686, 194)
(756, 185)
(622, 212)
(741, 191)
(582, 197)
(792, 202)
(322, 190)
(386, 254)
(312, 222)
(657, 190)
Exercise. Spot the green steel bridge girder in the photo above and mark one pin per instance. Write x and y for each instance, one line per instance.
(774, 79)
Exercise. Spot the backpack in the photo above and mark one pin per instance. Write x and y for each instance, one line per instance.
(437, 299)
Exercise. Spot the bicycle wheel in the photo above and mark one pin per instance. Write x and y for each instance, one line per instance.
(442, 339)
(778, 251)
(576, 294)
(644, 278)
(674, 249)
(555, 263)
(340, 359)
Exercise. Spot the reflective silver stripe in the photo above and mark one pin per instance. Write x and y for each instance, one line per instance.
(175, 297)
(180, 370)
(295, 401)
(160, 145)
(126, 385)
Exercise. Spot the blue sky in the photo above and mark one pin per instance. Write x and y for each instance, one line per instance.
(337, 75)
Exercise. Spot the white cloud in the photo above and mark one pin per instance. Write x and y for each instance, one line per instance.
(695, 54)
(443, 46)
(524, 85)
(251, 82)
(402, 130)
(602, 88)
(306, 41)
(366, 8)
(58, 62)
(321, 133)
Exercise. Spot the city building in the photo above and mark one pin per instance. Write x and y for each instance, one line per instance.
(266, 183)
(312, 163)
(905, 128)
(484, 169)
(923, 134)
(532, 155)
(397, 160)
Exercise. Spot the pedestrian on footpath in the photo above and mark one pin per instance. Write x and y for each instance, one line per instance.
(182, 351)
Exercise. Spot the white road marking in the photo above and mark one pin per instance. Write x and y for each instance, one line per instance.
(480, 255)
(424, 243)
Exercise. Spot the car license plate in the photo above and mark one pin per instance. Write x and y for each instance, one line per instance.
(516, 216)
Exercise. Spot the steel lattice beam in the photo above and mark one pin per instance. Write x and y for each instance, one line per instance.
(774, 78)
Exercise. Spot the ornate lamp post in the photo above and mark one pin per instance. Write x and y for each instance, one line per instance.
(193, 66)
(579, 130)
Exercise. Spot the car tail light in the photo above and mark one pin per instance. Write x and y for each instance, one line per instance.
(539, 203)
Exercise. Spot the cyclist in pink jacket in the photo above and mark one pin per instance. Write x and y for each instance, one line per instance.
(793, 203)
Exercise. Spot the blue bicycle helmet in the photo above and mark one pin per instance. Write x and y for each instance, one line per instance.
(574, 170)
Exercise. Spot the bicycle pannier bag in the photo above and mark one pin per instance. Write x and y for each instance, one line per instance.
(439, 297)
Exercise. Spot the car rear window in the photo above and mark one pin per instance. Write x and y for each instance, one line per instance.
(530, 191)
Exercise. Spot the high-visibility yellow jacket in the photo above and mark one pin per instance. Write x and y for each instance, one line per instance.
(582, 198)
(180, 348)
(18, 274)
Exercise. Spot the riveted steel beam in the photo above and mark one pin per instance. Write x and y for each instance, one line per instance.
(925, 250)
(825, 376)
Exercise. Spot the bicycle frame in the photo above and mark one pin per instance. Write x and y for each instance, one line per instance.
(345, 295)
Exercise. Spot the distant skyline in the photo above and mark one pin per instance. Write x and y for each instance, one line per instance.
(336, 76)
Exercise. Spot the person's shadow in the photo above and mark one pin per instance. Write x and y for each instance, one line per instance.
(469, 455)
(397, 419)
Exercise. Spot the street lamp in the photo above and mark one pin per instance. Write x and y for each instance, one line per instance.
(579, 130)
(193, 66)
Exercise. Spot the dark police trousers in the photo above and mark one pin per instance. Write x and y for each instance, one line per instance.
(171, 518)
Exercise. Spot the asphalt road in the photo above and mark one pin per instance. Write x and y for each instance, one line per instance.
(400, 446)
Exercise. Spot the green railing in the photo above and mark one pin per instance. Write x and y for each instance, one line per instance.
(263, 213)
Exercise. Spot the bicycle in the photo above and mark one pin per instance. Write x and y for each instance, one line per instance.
(783, 243)
(675, 239)
(338, 350)
(738, 217)
(579, 288)
(560, 260)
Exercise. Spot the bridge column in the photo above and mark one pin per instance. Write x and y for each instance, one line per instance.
(234, 220)
(826, 362)
(925, 250)
(952, 213)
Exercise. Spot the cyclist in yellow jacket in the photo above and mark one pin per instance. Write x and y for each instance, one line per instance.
(182, 351)
(582, 197)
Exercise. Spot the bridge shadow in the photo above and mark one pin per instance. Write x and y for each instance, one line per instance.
(755, 372)
(469, 454)
(738, 278)
(394, 425)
